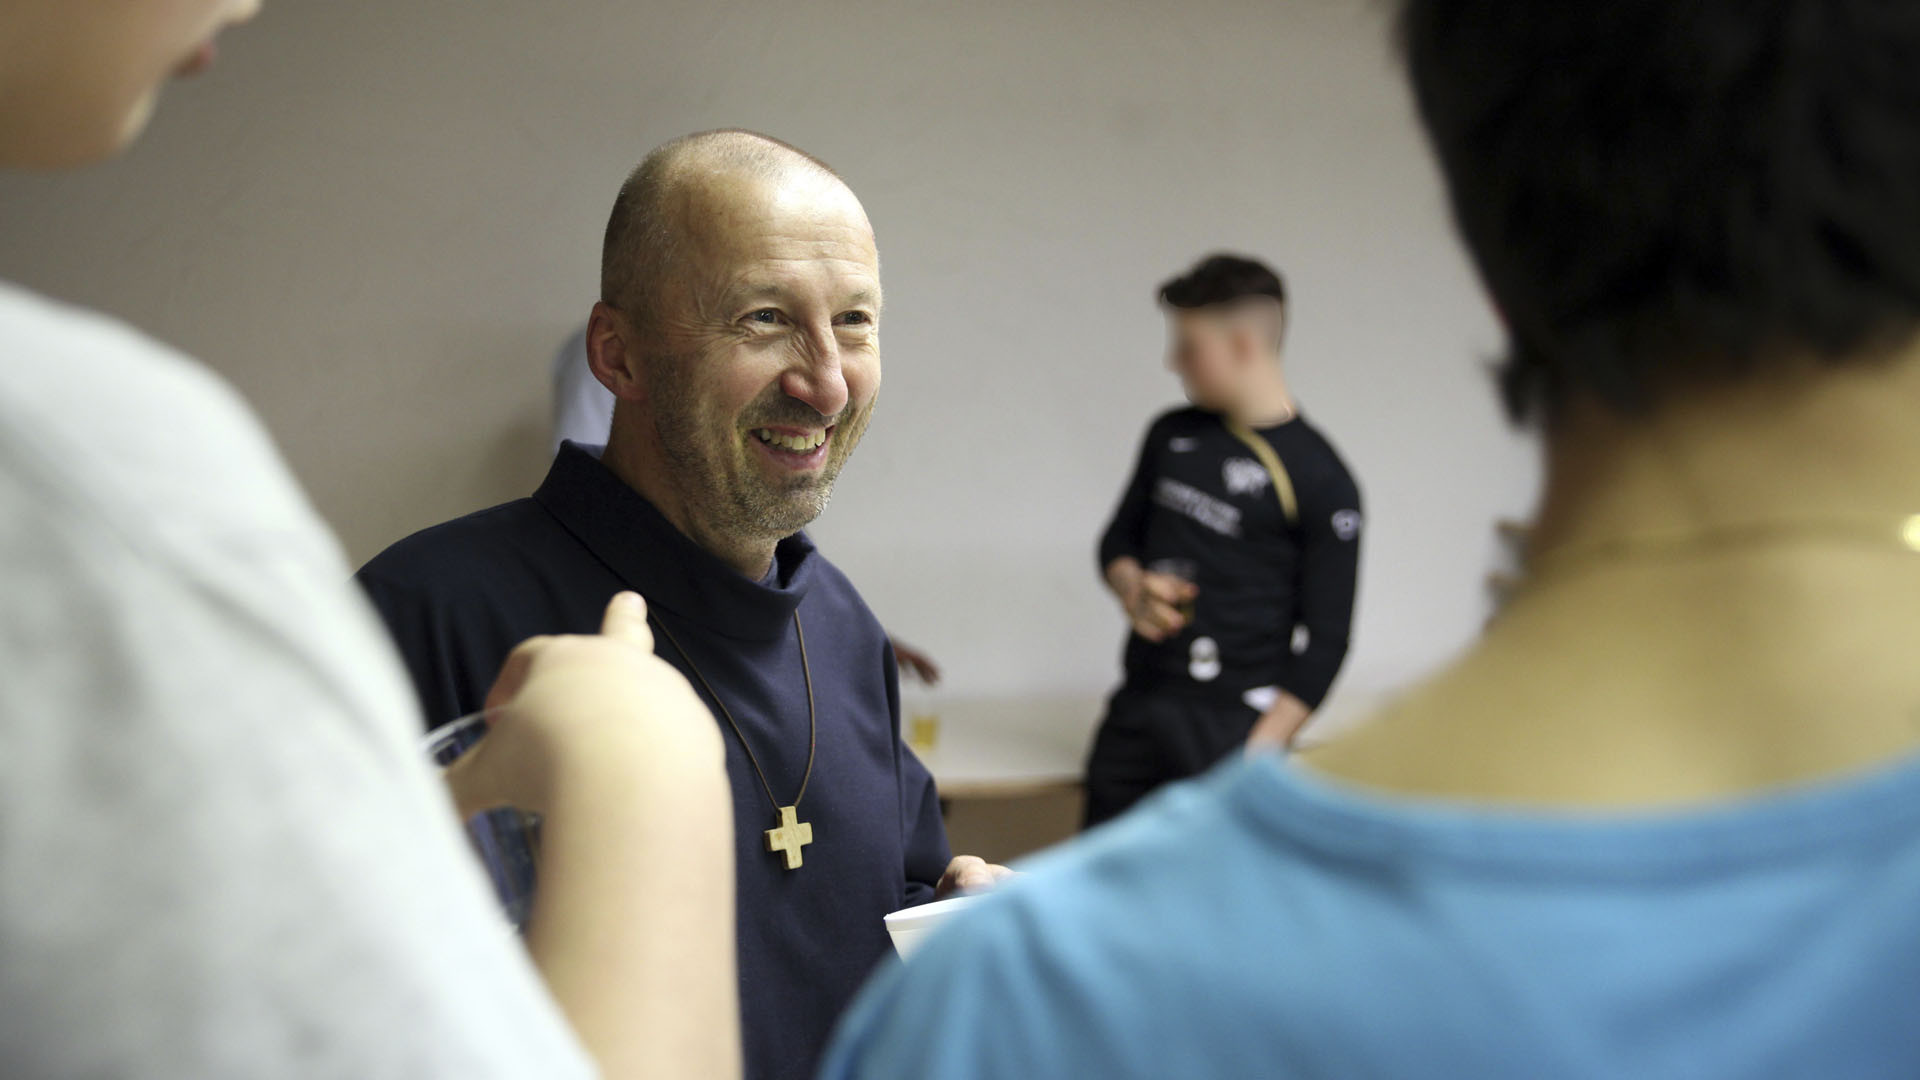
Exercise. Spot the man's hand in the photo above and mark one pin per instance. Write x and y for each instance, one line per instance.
(969, 873)
(582, 702)
(914, 663)
(1278, 725)
(1152, 601)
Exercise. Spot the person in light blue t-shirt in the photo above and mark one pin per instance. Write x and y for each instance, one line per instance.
(1266, 922)
(1663, 819)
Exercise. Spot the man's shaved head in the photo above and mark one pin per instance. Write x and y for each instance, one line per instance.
(739, 327)
(647, 230)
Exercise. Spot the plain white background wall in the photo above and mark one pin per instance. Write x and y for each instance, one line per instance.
(380, 220)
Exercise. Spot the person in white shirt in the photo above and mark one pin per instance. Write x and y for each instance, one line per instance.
(222, 854)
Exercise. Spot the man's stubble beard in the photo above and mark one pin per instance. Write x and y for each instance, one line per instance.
(725, 492)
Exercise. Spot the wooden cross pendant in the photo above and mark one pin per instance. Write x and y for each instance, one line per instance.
(790, 836)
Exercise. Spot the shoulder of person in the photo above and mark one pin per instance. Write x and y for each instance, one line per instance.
(1183, 420)
(449, 559)
(1312, 437)
(1318, 465)
(833, 592)
(157, 505)
(139, 434)
(1174, 424)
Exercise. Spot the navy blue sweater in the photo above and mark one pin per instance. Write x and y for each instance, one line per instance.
(458, 597)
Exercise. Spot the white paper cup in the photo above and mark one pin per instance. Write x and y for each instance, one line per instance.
(910, 926)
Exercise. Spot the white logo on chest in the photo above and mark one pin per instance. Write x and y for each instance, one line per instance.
(1203, 659)
(1244, 477)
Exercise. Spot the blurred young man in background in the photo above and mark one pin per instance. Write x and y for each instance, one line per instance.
(1238, 536)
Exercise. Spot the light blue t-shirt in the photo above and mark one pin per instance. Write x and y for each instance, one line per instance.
(1268, 922)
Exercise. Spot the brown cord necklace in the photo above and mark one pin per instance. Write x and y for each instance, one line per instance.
(789, 834)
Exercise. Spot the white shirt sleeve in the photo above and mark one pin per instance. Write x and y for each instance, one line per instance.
(220, 854)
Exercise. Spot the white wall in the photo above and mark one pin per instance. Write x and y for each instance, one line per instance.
(379, 219)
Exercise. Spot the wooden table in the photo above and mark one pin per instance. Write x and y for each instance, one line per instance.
(988, 748)
(1008, 770)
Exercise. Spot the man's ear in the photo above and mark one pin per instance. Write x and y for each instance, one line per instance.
(613, 353)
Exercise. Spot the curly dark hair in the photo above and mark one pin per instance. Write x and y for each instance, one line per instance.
(1223, 279)
(1662, 194)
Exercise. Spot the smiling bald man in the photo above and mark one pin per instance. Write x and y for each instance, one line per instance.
(738, 330)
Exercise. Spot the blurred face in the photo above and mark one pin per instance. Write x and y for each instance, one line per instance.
(79, 80)
(1206, 352)
(767, 359)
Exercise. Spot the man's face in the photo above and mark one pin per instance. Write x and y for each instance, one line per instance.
(1204, 351)
(767, 351)
(87, 85)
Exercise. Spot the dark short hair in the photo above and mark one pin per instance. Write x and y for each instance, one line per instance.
(1223, 279)
(1661, 193)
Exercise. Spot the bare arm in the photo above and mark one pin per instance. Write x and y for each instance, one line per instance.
(634, 927)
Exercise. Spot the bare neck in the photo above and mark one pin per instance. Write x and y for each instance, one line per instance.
(634, 455)
(1645, 681)
(1819, 445)
(1265, 401)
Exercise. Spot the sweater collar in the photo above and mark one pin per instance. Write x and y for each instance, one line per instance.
(637, 542)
